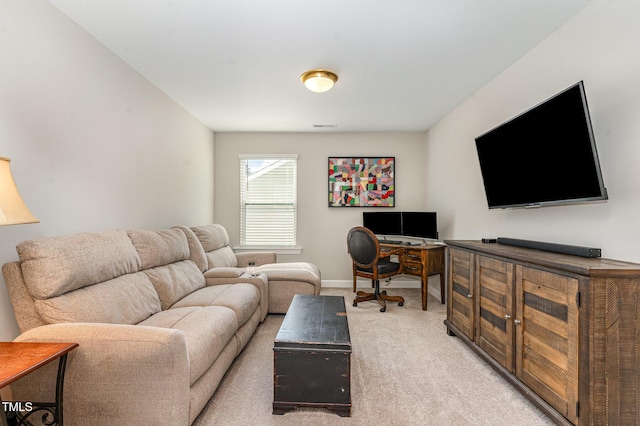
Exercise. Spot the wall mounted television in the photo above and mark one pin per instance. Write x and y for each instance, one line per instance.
(545, 156)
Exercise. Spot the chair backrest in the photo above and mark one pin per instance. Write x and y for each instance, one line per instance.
(363, 247)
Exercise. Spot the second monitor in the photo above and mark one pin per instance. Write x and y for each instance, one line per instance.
(420, 224)
(410, 224)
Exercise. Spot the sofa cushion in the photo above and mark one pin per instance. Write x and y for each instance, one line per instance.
(207, 331)
(212, 237)
(197, 253)
(291, 271)
(222, 258)
(215, 242)
(56, 265)
(160, 247)
(127, 299)
(217, 276)
(175, 281)
(241, 298)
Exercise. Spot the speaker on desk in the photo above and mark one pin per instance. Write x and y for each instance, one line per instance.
(552, 247)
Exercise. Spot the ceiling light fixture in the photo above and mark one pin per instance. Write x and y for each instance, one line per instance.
(319, 80)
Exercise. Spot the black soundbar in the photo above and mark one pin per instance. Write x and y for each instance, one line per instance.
(553, 247)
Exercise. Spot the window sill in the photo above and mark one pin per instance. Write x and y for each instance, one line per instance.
(271, 249)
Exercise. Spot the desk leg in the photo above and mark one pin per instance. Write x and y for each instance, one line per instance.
(425, 279)
(442, 297)
(424, 294)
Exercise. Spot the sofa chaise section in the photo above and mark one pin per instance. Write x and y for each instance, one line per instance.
(282, 280)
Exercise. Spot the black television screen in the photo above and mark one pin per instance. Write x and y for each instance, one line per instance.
(383, 223)
(420, 224)
(546, 155)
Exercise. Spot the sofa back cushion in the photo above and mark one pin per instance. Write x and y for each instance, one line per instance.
(57, 265)
(87, 277)
(215, 242)
(195, 248)
(165, 258)
(159, 247)
(222, 258)
(127, 299)
(175, 281)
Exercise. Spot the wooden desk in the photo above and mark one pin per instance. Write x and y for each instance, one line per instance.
(17, 359)
(422, 261)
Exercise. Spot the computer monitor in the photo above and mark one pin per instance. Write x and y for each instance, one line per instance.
(420, 224)
(383, 223)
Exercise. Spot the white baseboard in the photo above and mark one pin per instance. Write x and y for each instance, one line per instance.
(401, 282)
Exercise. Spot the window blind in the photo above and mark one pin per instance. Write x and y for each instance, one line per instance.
(268, 197)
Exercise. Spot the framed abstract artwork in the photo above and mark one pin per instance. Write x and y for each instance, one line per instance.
(362, 181)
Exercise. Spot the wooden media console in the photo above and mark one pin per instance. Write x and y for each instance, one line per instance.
(564, 330)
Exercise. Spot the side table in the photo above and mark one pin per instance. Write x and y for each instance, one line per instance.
(17, 359)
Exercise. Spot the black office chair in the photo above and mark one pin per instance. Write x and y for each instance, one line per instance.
(370, 262)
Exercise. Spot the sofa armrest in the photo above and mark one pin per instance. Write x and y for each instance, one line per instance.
(223, 275)
(119, 374)
(255, 258)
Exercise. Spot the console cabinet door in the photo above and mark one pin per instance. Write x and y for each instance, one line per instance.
(494, 305)
(460, 306)
(547, 337)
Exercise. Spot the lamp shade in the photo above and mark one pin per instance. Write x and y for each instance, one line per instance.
(13, 211)
(319, 80)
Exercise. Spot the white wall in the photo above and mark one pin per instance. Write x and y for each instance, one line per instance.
(600, 46)
(322, 230)
(93, 145)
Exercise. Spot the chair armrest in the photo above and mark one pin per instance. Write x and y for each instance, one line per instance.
(120, 374)
(255, 258)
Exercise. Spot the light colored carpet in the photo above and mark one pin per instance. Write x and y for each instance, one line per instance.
(405, 370)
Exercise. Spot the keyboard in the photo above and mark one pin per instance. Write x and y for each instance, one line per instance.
(391, 241)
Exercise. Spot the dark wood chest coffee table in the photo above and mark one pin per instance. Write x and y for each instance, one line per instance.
(312, 356)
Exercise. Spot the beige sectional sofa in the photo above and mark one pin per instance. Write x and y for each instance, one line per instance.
(156, 334)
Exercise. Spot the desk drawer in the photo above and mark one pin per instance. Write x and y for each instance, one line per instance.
(412, 262)
(412, 271)
(412, 267)
(413, 254)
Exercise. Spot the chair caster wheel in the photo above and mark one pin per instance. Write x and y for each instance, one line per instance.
(400, 304)
(383, 309)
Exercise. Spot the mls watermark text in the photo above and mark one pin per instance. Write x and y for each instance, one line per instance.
(16, 406)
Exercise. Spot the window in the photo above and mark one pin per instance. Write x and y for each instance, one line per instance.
(268, 200)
